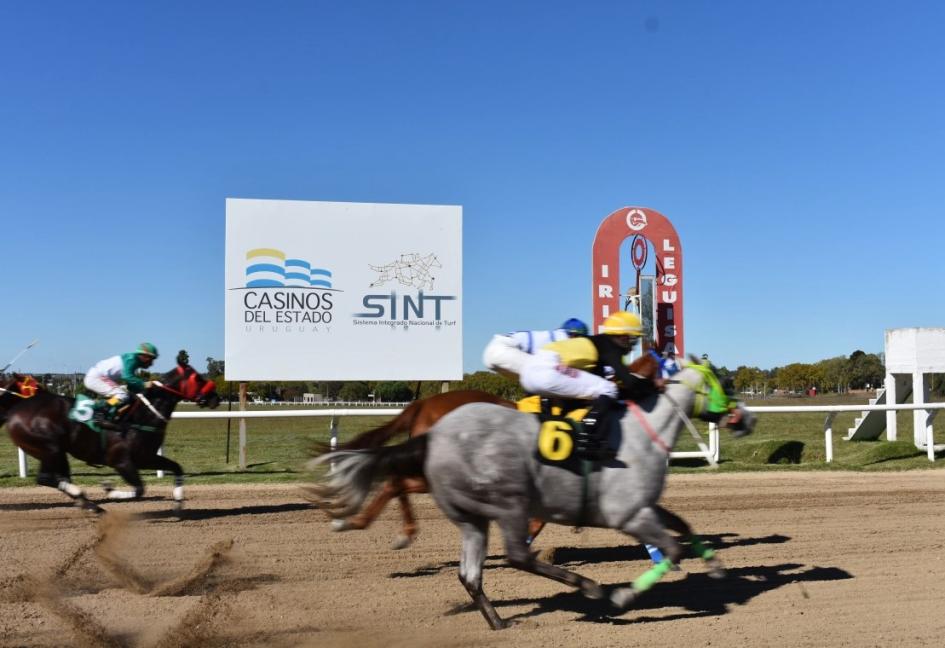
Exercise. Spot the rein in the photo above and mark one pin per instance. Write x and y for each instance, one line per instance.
(654, 437)
(147, 403)
(15, 393)
(701, 398)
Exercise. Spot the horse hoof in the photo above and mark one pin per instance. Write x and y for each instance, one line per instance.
(546, 555)
(90, 506)
(178, 507)
(402, 542)
(501, 624)
(716, 569)
(340, 524)
(592, 590)
(622, 598)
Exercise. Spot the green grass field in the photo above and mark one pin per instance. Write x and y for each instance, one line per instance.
(278, 448)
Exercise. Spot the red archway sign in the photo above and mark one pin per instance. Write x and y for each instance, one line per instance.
(656, 228)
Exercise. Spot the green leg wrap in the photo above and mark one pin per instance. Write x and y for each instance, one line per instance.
(650, 577)
(699, 550)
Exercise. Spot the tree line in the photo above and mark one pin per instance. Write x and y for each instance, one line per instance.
(833, 375)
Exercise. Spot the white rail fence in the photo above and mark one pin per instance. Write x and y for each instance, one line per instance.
(713, 447)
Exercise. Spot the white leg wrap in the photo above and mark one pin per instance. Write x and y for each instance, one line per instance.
(70, 489)
(178, 493)
(121, 494)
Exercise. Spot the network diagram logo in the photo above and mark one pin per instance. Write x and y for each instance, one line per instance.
(410, 270)
(270, 268)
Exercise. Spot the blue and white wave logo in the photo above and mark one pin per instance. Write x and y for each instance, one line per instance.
(269, 268)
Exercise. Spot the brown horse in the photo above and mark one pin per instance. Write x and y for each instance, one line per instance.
(38, 422)
(415, 421)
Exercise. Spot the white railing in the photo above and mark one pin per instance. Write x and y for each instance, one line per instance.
(833, 410)
(714, 447)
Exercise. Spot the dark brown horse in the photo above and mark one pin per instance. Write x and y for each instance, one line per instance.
(415, 421)
(38, 422)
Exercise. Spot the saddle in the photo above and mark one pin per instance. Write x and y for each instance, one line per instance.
(570, 432)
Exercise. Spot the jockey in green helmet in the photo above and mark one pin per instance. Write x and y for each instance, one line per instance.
(116, 378)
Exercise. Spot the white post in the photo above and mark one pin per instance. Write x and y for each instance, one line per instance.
(715, 448)
(160, 452)
(333, 439)
(920, 396)
(891, 400)
(828, 436)
(242, 452)
(22, 457)
(929, 441)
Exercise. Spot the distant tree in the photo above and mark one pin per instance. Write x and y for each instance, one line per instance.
(354, 391)
(392, 392)
(795, 376)
(865, 368)
(215, 368)
(832, 374)
(749, 379)
(492, 383)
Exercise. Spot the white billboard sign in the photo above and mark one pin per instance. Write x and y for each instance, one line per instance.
(343, 291)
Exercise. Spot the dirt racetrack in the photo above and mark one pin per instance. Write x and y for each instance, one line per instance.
(815, 559)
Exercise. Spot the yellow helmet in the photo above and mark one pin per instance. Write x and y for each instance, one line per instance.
(623, 323)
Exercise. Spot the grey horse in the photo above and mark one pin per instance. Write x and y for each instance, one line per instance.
(483, 465)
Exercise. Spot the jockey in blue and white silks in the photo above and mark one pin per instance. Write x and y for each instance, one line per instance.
(507, 354)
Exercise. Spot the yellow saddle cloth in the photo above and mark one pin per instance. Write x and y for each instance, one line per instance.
(532, 405)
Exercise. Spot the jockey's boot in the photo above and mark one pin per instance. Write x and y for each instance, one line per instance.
(104, 411)
(596, 428)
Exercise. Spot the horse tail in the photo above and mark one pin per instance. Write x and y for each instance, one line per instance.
(376, 437)
(342, 490)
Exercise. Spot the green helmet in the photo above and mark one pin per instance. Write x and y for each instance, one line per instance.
(146, 348)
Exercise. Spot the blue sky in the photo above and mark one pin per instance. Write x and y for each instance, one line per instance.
(798, 148)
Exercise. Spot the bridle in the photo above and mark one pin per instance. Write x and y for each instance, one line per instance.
(702, 392)
(182, 374)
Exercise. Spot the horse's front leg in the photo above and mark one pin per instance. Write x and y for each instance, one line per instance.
(647, 527)
(698, 548)
(118, 457)
(160, 462)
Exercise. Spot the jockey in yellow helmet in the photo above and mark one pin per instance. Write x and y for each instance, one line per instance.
(576, 367)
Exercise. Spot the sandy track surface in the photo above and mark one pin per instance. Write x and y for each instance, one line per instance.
(815, 559)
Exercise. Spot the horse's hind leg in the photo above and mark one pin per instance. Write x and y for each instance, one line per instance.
(698, 549)
(647, 527)
(515, 530)
(55, 473)
(475, 532)
(408, 486)
(370, 512)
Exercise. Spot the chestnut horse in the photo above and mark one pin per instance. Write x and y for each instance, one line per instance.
(416, 419)
(38, 422)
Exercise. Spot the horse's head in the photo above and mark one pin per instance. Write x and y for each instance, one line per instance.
(190, 385)
(713, 401)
